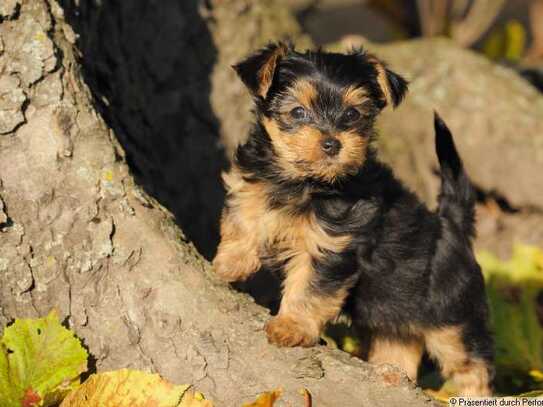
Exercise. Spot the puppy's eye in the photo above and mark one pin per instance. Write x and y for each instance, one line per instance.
(351, 115)
(298, 113)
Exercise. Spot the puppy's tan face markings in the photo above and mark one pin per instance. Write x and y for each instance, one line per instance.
(355, 96)
(305, 93)
(303, 125)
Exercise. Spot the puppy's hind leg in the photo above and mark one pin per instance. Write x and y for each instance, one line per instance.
(464, 357)
(405, 353)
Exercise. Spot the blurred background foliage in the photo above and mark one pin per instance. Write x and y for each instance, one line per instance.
(515, 296)
(508, 31)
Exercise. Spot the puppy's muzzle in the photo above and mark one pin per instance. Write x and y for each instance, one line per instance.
(331, 146)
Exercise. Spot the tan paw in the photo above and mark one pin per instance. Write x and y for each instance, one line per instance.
(231, 269)
(287, 332)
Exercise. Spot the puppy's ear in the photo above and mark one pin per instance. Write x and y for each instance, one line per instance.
(257, 71)
(393, 86)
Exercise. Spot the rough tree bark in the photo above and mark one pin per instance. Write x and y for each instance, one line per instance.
(79, 235)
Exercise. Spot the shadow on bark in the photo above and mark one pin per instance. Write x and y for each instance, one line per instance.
(148, 66)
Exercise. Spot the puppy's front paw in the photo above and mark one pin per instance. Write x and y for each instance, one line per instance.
(235, 268)
(225, 271)
(286, 331)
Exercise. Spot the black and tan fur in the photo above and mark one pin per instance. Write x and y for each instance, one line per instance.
(307, 196)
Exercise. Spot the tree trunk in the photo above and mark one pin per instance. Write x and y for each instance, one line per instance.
(78, 234)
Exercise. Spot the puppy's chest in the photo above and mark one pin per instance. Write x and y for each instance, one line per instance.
(287, 231)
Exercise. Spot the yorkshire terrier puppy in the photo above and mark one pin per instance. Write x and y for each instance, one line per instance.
(306, 195)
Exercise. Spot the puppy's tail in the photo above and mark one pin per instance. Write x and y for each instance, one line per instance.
(456, 201)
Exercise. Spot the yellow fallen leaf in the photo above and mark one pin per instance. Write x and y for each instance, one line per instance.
(265, 399)
(352, 345)
(437, 395)
(537, 375)
(193, 398)
(132, 388)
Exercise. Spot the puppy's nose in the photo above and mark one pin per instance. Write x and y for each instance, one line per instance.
(331, 146)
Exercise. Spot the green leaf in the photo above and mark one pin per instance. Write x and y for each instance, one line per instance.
(513, 288)
(40, 362)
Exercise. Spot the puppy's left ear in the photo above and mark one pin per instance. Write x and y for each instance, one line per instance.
(257, 70)
(393, 86)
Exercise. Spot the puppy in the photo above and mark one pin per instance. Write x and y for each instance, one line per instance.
(306, 195)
